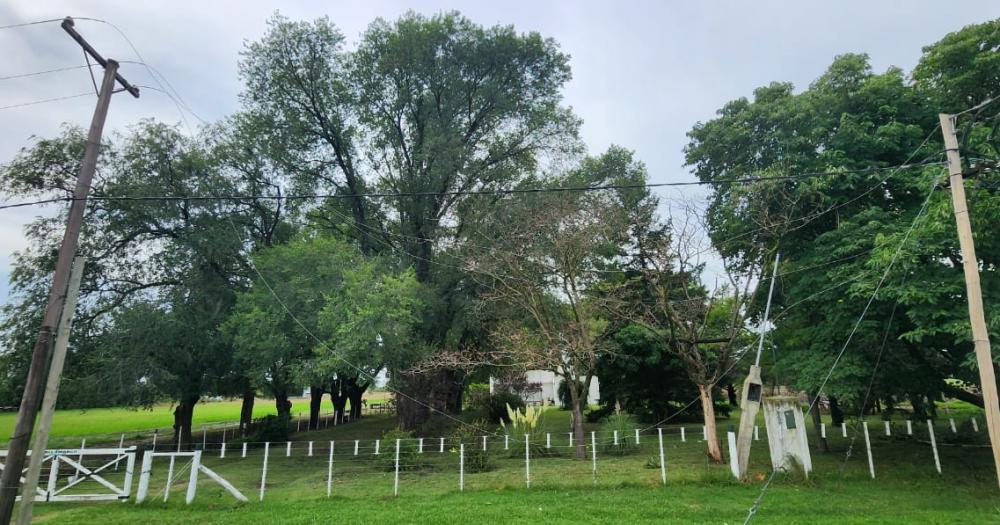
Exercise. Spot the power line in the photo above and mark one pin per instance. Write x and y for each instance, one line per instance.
(511, 191)
(46, 72)
(24, 24)
(67, 97)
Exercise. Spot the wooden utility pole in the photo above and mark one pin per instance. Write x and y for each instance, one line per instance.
(980, 334)
(18, 445)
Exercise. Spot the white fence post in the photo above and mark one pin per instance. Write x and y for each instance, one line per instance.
(888, 431)
(951, 421)
(356, 442)
(204, 438)
(868, 447)
(121, 444)
(616, 437)
(637, 436)
(822, 430)
(975, 425)
(310, 449)
(734, 455)
(395, 481)
(222, 451)
(506, 442)
(170, 479)
(441, 447)
(140, 495)
(593, 455)
(548, 440)
(420, 446)
(570, 439)
(527, 463)
(704, 432)
(329, 472)
(937, 460)
(756, 433)
(909, 427)
(377, 444)
(461, 467)
(663, 464)
(683, 438)
(843, 429)
(288, 449)
(193, 477)
(484, 443)
(244, 453)
(263, 473)
(155, 433)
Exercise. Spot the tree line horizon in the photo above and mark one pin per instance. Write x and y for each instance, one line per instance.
(187, 297)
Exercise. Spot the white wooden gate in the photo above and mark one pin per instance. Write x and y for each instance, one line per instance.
(74, 458)
(196, 467)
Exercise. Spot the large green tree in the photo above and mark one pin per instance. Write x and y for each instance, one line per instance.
(426, 106)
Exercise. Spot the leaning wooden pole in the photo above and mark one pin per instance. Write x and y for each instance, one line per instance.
(980, 334)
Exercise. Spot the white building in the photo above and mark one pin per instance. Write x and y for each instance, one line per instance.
(547, 392)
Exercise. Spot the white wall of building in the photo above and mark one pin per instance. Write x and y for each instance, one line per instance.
(549, 383)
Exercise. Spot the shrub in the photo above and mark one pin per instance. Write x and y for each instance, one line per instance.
(525, 422)
(271, 428)
(476, 459)
(477, 396)
(625, 425)
(499, 402)
(408, 454)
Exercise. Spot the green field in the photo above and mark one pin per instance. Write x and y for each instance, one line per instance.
(907, 488)
(107, 424)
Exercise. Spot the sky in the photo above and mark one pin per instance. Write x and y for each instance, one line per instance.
(644, 72)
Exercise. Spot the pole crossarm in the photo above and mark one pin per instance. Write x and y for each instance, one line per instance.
(68, 26)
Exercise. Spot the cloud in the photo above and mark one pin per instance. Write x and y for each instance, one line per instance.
(644, 71)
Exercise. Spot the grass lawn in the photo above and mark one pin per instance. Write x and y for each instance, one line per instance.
(907, 489)
(107, 424)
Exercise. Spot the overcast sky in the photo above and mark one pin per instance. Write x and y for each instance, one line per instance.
(643, 72)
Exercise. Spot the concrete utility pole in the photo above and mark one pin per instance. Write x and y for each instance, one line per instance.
(980, 335)
(753, 387)
(51, 394)
(28, 411)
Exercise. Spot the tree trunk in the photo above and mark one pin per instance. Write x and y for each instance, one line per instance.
(246, 410)
(836, 414)
(315, 403)
(423, 396)
(577, 402)
(283, 405)
(708, 410)
(817, 420)
(338, 399)
(183, 415)
(355, 392)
